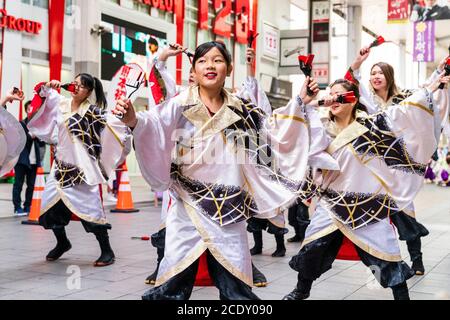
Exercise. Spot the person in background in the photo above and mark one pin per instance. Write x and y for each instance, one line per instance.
(431, 11)
(29, 160)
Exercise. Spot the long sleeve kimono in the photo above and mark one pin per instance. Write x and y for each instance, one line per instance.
(375, 104)
(90, 143)
(12, 141)
(250, 90)
(318, 157)
(220, 171)
(382, 161)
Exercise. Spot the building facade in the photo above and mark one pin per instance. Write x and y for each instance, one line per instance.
(101, 35)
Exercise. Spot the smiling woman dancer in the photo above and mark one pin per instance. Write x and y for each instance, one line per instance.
(223, 162)
(380, 94)
(250, 90)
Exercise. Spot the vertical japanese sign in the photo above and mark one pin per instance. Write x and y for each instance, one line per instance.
(398, 11)
(320, 40)
(424, 37)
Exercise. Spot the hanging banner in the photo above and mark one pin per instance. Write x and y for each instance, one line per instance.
(56, 10)
(320, 40)
(430, 10)
(320, 11)
(424, 38)
(398, 11)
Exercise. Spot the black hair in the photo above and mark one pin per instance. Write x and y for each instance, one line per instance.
(208, 46)
(93, 83)
(153, 41)
(350, 86)
(27, 104)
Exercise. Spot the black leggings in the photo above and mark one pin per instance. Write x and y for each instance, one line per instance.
(317, 257)
(180, 286)
(59, 216)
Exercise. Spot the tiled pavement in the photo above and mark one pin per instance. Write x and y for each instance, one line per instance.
(24, 273)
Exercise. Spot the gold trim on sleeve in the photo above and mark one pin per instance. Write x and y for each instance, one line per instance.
(417, 105)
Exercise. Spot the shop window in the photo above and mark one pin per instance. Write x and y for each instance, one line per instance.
(114, 1)
(69, 7)
(191, 19)
(41, 3)
(127, 43)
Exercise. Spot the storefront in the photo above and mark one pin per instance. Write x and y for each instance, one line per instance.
(135, 31)
(24, 48)
(99, 36)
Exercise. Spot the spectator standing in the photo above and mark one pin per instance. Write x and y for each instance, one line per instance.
(25, 170)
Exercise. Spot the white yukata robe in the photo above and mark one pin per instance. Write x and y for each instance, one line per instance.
(382, 161)
(219, 173)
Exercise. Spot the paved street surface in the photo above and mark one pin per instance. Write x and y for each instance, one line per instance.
(24, 273)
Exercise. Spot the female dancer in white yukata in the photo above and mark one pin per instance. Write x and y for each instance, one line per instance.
(223, 162)
(251, 91)
(12, 135)
(90, 143)
(382, 161)
(381, 93)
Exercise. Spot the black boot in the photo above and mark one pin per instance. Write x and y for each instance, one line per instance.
(151, 279)
(301, 292)
(414, 249)
(63, 245)
(107, 257)
(418, 267)
(257, 249)
(259, 279)
(401, 291)
(281, 249)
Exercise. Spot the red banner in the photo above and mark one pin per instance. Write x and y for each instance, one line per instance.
(203, 8)
(398, 10)
(241, 27)
(56, 10)
(179, 14)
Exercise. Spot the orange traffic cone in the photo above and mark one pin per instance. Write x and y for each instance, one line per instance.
(33, 218)
(124, 197)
